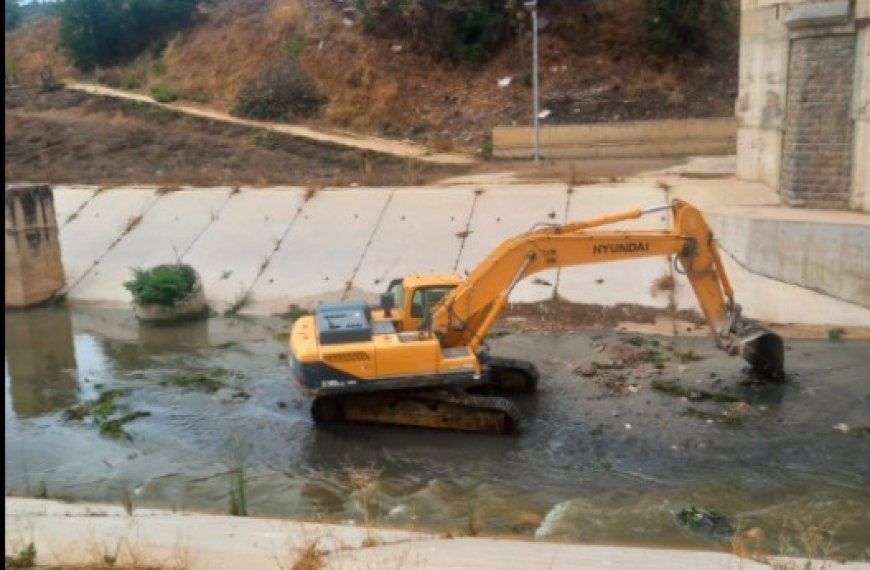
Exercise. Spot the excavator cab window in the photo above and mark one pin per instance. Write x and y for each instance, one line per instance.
(425, 298)
(398, 292)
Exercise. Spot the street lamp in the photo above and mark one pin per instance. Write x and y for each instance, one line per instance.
(532, 6)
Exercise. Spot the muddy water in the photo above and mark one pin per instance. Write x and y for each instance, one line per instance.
(592, 464)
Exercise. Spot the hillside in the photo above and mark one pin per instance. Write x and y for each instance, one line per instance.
(594, 66)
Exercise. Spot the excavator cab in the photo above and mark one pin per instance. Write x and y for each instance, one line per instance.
(409, 301)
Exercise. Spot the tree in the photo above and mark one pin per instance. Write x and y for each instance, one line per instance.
(675, 26)
(452, 30)
(12, 15)
(103, 32)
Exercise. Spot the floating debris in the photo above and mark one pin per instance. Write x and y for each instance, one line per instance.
(709, 522)
(102, 411)
(674, 388)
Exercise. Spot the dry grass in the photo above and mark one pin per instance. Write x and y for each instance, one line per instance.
(31, 47)
(132, 223)
(309, 558)
(748, 544)
(310, 192)
(663, 284)
(287, 14)
(361, 481)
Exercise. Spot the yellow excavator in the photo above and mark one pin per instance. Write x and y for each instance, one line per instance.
(420, 358)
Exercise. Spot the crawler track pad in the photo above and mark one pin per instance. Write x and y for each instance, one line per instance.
(435, 409)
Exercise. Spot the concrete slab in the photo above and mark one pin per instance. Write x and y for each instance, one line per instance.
(621, 281)
(68, 200)
(84, 240)
(501, 212)
(778, 302)
(230, 253)
(322, 249)
(165, 232)
(707, 194)
(418, 234)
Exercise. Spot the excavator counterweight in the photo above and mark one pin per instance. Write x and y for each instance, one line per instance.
(420, 360)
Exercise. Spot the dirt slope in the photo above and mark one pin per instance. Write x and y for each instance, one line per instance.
(594, 66)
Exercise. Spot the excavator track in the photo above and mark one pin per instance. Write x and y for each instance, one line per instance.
(513, 376)
(437, 409)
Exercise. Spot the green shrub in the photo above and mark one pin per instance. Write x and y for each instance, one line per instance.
(11, 69)
(280, 92)
(485, 149)
(104, 32)
(162, 285)
(527, 78)
(163, 93)
(675, 26)
(295, 45)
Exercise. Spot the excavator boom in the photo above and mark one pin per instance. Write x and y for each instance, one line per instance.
(417, 360)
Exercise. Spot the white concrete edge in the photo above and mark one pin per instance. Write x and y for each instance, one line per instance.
(77, 532)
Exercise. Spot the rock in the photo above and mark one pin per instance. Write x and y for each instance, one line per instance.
(587, 369)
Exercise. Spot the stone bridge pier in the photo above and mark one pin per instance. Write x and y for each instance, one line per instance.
(34, 271)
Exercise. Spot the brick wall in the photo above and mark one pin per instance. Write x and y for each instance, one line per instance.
(817, 149)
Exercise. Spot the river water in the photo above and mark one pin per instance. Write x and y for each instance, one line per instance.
(591, 464)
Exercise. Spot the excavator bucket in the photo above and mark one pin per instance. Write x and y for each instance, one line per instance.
(762, 348)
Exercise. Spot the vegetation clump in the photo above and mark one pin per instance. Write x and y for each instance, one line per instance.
(677, 26)
(108, 416)
(162, 285)
(12, 15)
(711, 522)
(26, 557)
(163, 93)
(279, 92)
(446, 30)
(104, 32)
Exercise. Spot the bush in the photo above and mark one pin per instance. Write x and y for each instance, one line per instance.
(162, 285)
(103, 32)
(279, 92)
(675, 26)
(163, 93)
(451, 30)
(527, 78)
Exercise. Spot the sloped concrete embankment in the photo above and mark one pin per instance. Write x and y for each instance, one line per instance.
(86, 533)
(260, 250)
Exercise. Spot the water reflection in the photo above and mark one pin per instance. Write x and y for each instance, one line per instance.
(41, 361)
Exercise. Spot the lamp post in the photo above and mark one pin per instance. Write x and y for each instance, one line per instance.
(532, 6)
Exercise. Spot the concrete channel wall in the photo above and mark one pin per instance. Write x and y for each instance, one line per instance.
(634, 139)
(833, 258)
(264, 249)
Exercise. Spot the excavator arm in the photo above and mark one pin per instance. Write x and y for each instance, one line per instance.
(463, 317)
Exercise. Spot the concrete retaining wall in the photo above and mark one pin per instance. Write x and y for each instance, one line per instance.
(261, 250)
(833, 258)
(619, 140)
